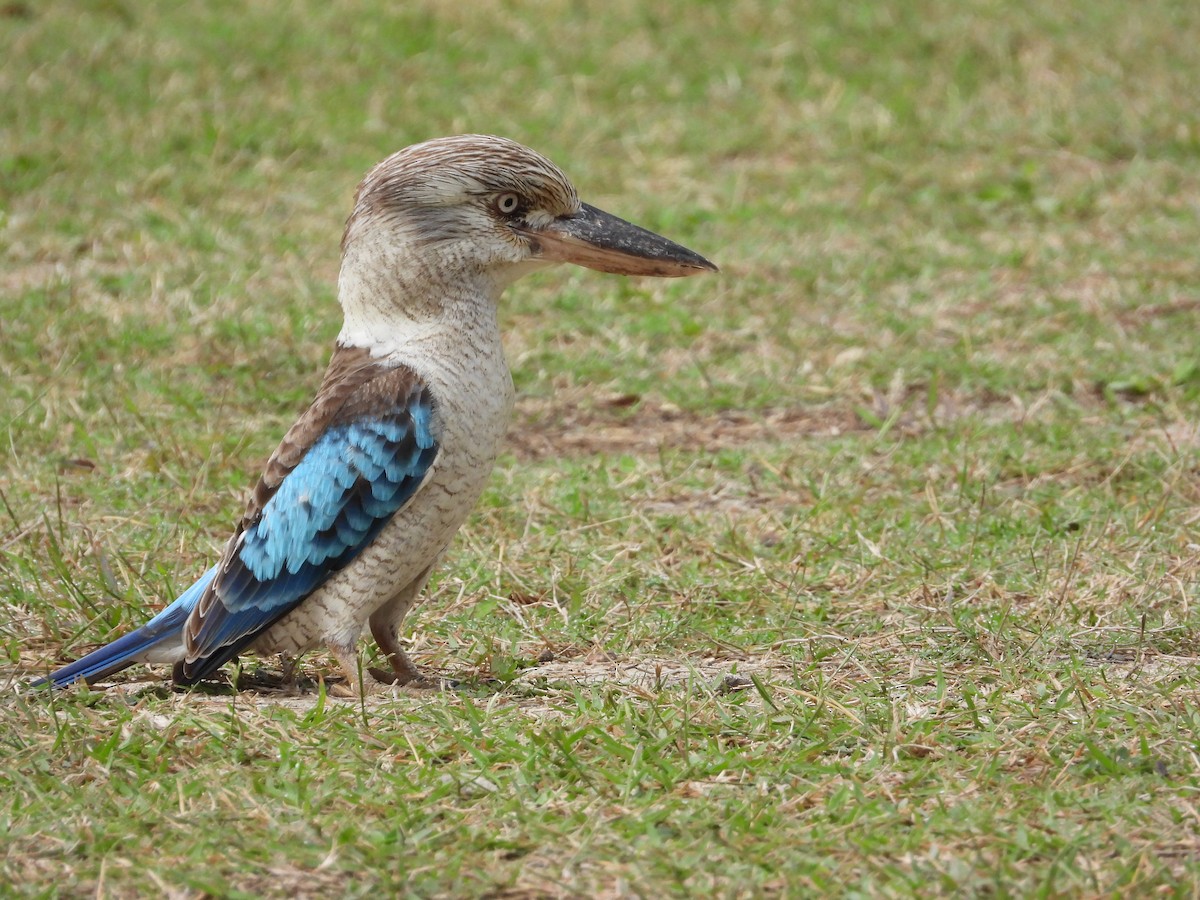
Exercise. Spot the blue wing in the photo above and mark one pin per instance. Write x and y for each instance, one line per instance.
(345, 488)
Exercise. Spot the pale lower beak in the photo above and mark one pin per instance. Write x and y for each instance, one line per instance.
(599, 240)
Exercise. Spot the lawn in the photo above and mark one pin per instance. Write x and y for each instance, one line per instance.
(865, 567)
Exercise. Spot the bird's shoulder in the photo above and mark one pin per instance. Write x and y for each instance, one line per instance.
(356, 386)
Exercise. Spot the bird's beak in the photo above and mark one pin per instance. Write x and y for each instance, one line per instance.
(601, 241)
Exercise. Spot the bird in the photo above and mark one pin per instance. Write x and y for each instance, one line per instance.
(359, 502)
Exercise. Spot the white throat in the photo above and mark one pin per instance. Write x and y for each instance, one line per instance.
(392, 297)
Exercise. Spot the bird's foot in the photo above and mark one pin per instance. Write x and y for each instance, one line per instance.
(380, 682)
(404, 677)
(383, 676)
(416, 680)
(347, 690)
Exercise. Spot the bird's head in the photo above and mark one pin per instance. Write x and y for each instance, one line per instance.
(475, 206)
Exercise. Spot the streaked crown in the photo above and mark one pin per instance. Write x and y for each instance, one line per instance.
(452, 171)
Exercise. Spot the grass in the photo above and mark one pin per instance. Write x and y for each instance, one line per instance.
(867, 567)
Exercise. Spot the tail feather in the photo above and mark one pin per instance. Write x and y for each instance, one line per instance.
(137, 646)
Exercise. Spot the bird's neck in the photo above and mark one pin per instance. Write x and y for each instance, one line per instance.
(439, 320)
(392, 302)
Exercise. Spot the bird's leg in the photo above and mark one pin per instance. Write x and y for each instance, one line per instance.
(290, 673)
(404, 671)
(385, 628)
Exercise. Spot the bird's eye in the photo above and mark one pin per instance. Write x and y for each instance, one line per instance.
(507, 204)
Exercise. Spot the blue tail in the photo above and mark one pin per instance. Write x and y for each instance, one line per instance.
(129, 649)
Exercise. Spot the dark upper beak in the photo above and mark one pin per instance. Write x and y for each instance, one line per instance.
(598, 240)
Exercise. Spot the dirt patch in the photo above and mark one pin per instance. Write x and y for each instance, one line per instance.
(542, 691)
(580, 424)
(632, 425)
(638, 675)
(720, 674)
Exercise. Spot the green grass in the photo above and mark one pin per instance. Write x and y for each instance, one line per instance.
(867, 567)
